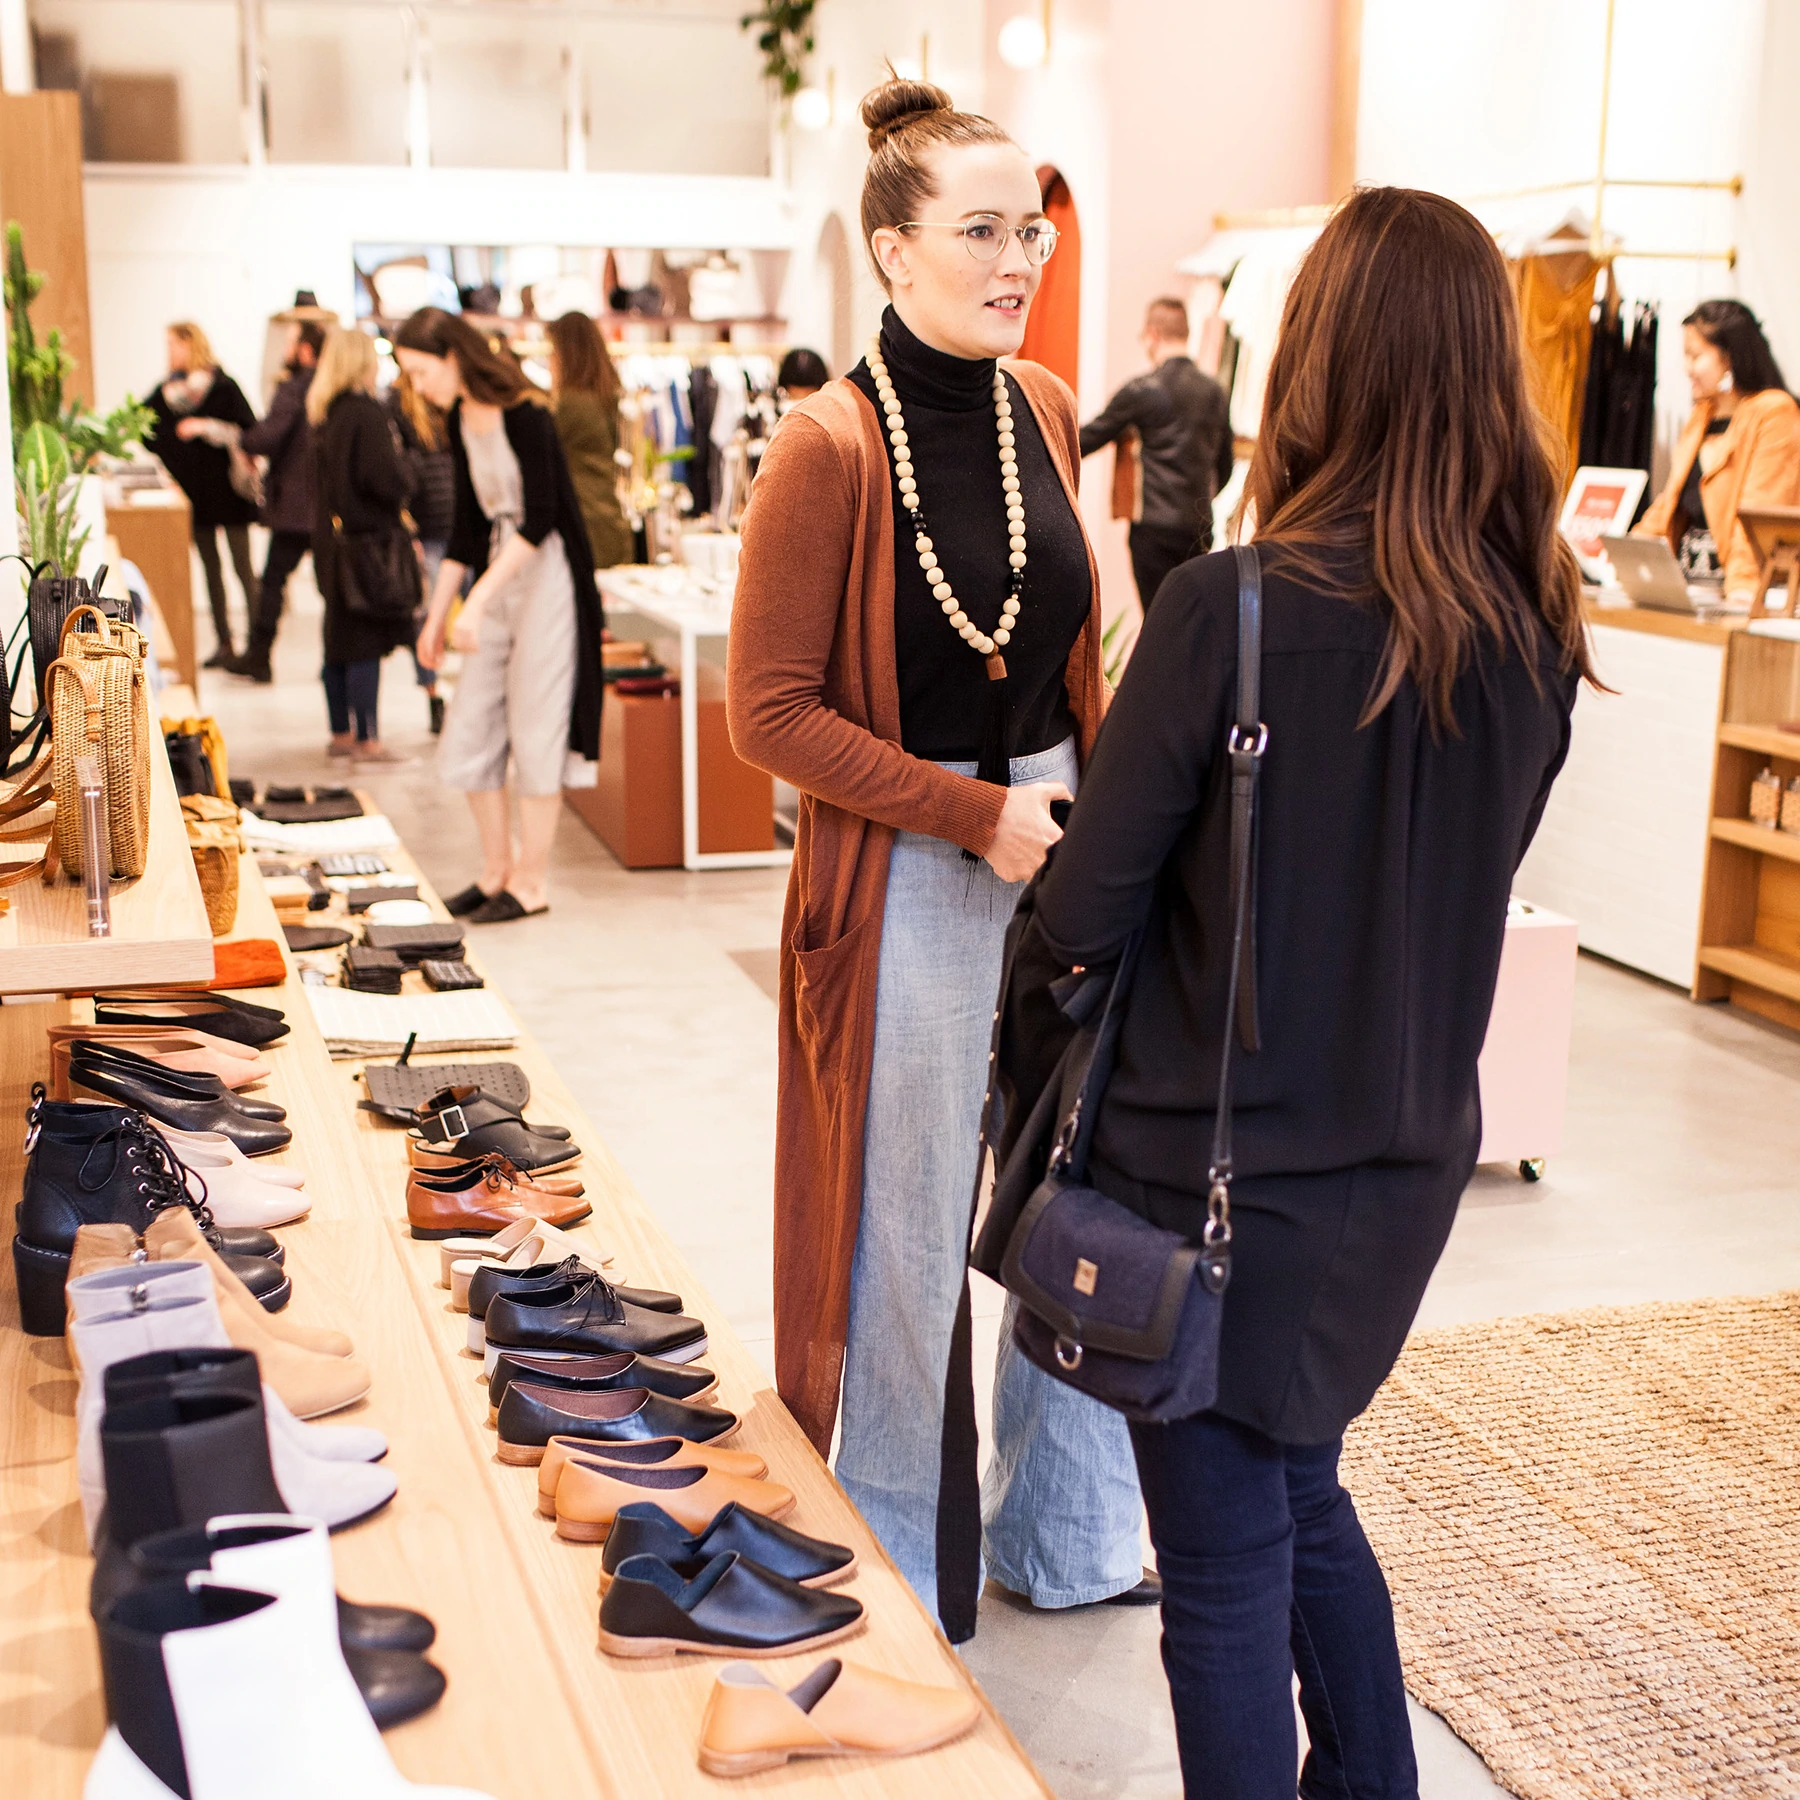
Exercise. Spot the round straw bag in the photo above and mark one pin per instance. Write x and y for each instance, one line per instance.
(96, 695)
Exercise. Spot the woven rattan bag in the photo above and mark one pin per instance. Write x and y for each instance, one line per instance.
(98, 703)
(216, 842)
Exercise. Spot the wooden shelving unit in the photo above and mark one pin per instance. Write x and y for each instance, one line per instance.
(1749, 950)
(160, 932)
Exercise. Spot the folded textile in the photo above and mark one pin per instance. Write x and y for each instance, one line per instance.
(248, 962)
(355, 1024)
(337, 837)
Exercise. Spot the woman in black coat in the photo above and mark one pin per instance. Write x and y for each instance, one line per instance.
(1422, 640)
(198, 412)
(361, 483)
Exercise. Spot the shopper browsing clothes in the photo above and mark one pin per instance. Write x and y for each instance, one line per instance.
(530, 689)
(1422, 641)
(361, 489)
(425, 443)
(915, 646)
(1740, 450)
(584, 390)
(1183, 426)
(198, 413)
(284, 437)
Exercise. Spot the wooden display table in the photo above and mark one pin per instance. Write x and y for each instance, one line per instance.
(159, 927)
(534, 1708)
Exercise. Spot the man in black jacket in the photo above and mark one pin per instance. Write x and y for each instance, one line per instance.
(285, 438)
(1182, 419)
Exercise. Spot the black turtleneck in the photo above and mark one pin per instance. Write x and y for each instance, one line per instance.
(949, 407)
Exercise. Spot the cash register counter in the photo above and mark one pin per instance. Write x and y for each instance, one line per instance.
(1623, 844)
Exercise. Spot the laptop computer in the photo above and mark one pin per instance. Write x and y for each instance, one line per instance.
(1648, 572)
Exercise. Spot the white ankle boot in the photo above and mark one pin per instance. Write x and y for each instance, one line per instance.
(216, 1143)
(262, 1703)
(130, 1311)
(235, 1192)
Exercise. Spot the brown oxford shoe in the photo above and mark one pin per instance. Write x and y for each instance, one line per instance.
(481, 1198)
(429, 1159)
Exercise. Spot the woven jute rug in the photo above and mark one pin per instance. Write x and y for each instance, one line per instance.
(1591, 1525)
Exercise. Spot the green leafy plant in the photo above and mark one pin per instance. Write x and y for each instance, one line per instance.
(784, 35)
(47, 519)
(1115, 651)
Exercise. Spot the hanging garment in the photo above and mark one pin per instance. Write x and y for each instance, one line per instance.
(1556, 302)
(1618, 419)
(1053, 328)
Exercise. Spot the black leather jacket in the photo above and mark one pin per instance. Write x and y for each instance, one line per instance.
(1183, 420)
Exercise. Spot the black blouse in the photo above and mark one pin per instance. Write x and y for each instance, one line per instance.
(949, 409)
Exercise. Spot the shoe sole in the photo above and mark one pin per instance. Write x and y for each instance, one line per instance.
(754, 1762)
(592, 1531)
(345, 1524)
(276, 1298)
(491, 1353)
(628, 1646)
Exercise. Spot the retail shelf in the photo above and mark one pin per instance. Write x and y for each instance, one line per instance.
(1762, 738)
(159, 928)
(1744, 962)
(1758, 837)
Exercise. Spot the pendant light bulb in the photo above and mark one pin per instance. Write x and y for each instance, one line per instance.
(812, 109)
(1023, 42)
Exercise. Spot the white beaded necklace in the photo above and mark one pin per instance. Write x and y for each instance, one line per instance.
(979, 641)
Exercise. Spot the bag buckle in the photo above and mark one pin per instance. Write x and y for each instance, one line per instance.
(1236, 744)
(451, 1133)
(1065, 1140)
(1068, 1354)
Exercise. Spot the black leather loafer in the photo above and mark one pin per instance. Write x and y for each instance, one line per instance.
(530, 1416)
(97, 1052)
(396, 1685)
(731, 1608)
(383, 1627)
(644, 1529)
(587, 1318)
(168, 1096)
(495, 1278)
(600, 1374)
(472, 1123)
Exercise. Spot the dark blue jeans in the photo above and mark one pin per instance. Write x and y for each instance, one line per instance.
(1266, 1573)
(351, 692)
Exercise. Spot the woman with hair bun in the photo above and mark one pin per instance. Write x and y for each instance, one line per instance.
(1739, 451)
(915, 647)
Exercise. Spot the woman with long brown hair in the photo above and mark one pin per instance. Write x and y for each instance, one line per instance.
(1422, 641)
(529, 695)
(584, 394)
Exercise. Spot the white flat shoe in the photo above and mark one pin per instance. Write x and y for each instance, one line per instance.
(236, 1194)
(216, 1143)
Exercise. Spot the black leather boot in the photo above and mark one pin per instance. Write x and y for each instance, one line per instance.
(106, 1165)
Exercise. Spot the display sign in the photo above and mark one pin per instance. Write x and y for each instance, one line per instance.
(1601, 504)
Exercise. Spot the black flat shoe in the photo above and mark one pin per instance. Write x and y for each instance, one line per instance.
(731, 1608)
(587, 1318)
(474, 1124)
(172, 1099)
(502, 908)
(96, 1051)
(488, 1282)
(600, 1374)
(1148, 1592)
(644, 1529)
(471, 899)
(219, 1015)
(530, 1416)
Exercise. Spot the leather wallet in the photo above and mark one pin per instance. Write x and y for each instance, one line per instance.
(414, 943)
(373, 971)
(448, 977)
(360, 899)
(315, 937)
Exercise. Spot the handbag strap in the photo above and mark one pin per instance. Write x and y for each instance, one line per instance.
(1245, 742)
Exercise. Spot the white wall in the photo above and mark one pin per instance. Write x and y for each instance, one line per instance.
(228, 247)
(1769, 219)
(1489, 95)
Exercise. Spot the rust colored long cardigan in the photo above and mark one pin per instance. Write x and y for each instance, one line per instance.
(814, 698)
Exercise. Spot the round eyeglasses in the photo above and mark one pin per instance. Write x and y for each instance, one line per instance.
(984, 236)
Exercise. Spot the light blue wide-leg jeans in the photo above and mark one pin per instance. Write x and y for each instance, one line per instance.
(1060, 1503)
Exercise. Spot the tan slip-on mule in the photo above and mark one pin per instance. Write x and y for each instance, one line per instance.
(840, 1709)
(557, 1246)
(173, 1235)
(186, 1051)
(589, 1493)
(666, 1453)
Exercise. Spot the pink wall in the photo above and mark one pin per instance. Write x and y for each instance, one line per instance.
(1161, 113)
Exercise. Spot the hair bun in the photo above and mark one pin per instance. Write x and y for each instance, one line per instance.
(895, 104)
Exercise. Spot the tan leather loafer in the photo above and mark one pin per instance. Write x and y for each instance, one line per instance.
(840, 1709)
(429, 1159)
(665, 1453)
(488, 1202)
(590, 1491)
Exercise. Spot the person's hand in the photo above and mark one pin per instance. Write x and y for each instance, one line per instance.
(465, 634)
(430, 647)
(1026, 830)
(190, 428)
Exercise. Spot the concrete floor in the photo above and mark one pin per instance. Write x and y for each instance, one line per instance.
(652, 993)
